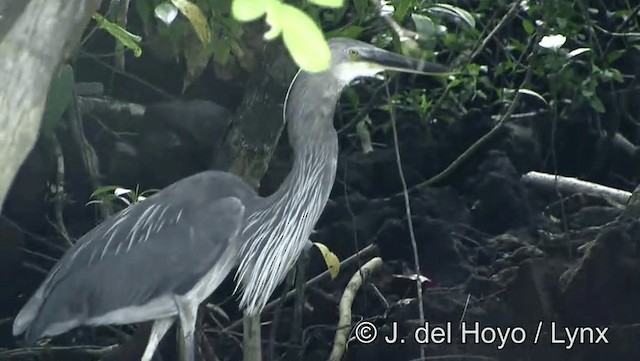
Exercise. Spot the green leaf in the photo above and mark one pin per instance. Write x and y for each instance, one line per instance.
(303, 38)
(401, 9)
(352, 32)
(330, 259)
(248, 10)
(454, 12)
(275, 27)
(596, 104)
(528, 26)
(103, 191)
(424, 25)
(197, 19)
(58, 99)
(328, 3)
(127, 39)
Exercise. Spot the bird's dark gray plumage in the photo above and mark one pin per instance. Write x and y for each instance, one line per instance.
(160, 258)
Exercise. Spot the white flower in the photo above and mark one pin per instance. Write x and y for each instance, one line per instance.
(553, 42)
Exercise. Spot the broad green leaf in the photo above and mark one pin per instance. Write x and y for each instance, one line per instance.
(353, 32)
(596, 104)
(424, 25)
(304, 39)
(103, 190)
(454, 12)
(328, 3)
(330, 259)
(127, 39)
(528, 26)
(248, 10)
(166, 12)
(273, 20)
(401, 8)
(58, 98)
(196, 18)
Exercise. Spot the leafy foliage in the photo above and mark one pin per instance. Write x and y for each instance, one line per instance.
(129, 40)
(114, 194)
(58, 99)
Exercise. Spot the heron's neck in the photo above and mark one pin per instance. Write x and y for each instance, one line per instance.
(309, 115)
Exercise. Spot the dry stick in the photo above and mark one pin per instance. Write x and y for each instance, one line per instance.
(407, 206)
(89, 156)
(550, 182)
(344, 322)
(60, 196)
(364, 253)
(94, 351)
(121, 8)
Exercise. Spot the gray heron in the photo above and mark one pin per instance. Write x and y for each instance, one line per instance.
(158, 259)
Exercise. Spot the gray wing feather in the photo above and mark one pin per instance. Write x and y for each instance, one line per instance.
(157, 247)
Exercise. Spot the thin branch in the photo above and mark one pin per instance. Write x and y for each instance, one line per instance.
(94, 351)
(89, 156)
(550, 182)
(344, 322)
(407, 206)
(60, 195)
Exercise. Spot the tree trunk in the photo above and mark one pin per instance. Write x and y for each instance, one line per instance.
(257, 125)
(35, 36)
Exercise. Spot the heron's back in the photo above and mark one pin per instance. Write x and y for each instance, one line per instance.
(129, 268)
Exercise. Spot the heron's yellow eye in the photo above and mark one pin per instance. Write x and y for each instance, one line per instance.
(353, 54)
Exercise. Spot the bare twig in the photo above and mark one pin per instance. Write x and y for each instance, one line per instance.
(89, 157)
(296, 322)
(344, 323)
(407, 207)
(550, 182)
(121, 9)
(130, 76)
(60, 195)
(94, 351)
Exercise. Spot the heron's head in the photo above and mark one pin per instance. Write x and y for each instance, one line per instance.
(352, 59)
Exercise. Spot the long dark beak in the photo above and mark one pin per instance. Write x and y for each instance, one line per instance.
(392, 61)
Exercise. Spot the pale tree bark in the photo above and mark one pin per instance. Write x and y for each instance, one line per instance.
(35, 37)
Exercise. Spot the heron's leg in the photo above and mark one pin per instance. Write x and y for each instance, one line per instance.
(252, 338)
(158, 330)
(187, 311)
(301, 269)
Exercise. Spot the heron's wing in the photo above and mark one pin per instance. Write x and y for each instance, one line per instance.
(161, 246)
